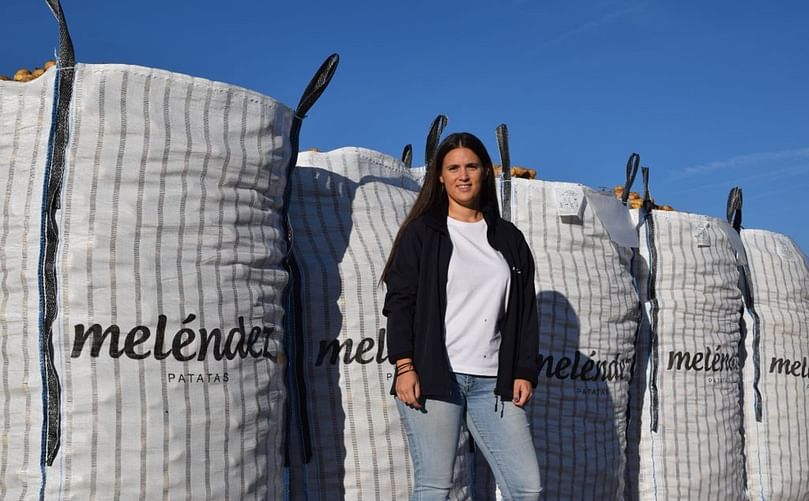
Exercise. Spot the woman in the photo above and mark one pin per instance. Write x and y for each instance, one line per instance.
(462, 326)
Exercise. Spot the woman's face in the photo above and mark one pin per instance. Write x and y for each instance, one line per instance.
(462, 177)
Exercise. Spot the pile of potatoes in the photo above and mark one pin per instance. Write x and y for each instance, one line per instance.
(521, 172)
(25, 75)
(635, 201)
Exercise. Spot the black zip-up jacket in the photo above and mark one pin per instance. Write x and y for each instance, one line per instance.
(416, 303)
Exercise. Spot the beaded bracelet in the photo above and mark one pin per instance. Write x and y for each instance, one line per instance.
(404, 365)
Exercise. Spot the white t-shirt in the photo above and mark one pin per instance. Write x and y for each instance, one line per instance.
(477, 290)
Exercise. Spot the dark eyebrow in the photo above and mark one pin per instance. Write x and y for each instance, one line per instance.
(470, 164)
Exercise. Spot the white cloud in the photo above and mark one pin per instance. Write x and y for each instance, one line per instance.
(593, 24)
(764, 160)
(764, 178)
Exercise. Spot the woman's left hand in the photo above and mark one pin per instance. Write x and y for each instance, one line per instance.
(522, 392)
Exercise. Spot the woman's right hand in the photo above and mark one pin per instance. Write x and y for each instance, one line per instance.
(407, 383)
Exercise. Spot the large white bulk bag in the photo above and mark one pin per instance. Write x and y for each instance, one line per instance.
(25, 124)
(346, 209)
(777, 364)
(685, 430)
(588, 312)
(142, 280)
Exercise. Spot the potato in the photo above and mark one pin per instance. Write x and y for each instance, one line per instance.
(22, 75)
(523, 173)
(635, 201)
(520, 172)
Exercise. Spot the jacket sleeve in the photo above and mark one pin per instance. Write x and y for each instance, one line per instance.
(402, 290)
(528, 343)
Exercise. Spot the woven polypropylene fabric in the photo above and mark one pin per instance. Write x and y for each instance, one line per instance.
(346, 208)
(25, 124)
(169, 283)
(777, 448)
(687, 365)
(588, 314)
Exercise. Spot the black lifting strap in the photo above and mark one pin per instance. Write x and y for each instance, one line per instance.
(407, 156)
(632, 165)
(317, 85)
(67, 58)
(647, 197)
(505, 164)
(48, 276)
(734, 208)
(433, 138)
(293, 319)
(652, 294)
(734, 217)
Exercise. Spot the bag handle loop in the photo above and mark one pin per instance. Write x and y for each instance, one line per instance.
(433, 138)
(632, 165)
(734, 208)
(407, 156)
(505, 165)
(647, 197)
(66, 55)
(317, 85)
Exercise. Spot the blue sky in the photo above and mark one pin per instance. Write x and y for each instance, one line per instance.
(711, 94)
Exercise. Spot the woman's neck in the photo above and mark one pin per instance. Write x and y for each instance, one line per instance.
(465, 214)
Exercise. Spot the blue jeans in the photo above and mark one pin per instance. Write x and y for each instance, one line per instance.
(500, 430)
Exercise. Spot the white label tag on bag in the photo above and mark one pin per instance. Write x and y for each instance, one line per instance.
(784, 249)
(701, 234)
(570, 203)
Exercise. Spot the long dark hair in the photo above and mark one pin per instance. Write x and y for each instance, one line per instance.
(432, 192)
